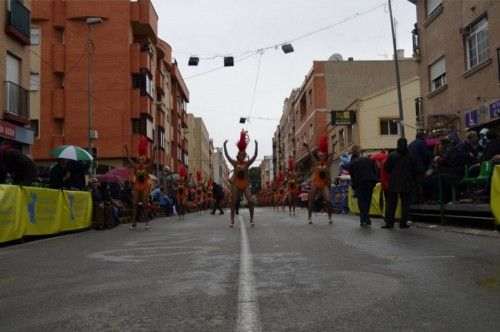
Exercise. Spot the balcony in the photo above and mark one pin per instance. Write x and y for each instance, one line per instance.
(18, 23)
(16, 103)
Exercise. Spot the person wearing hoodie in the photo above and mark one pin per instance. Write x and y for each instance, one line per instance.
(400, 165)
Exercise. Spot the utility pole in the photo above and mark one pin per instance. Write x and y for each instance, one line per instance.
(398, 81)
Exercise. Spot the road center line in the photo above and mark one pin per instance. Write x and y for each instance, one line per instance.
(248, 305)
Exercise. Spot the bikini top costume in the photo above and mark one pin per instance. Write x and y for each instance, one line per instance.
(141, 169)
(321, 173)
(292, 186)
(181, 188)
(141, 174)
(240, 176)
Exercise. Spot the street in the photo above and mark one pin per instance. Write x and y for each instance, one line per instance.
(282, 274)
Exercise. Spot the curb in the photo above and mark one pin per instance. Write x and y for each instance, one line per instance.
(468, 231)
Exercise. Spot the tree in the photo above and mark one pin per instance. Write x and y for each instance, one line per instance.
(254, 174)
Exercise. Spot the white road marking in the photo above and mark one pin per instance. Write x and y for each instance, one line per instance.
(248, 305)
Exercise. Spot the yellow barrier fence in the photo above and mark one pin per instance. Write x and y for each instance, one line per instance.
(377, 204)
(495, 194)
(39, 211)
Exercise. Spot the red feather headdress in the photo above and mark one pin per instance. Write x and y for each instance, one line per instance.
(323, 144)
(243, 142)
(280, 177)
(291, 165)
(182, 171)
(143, 146)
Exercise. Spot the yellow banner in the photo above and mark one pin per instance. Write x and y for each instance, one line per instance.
(76, 210)
(377, 204)
(11, 225)
(43, 208)
(495, 194)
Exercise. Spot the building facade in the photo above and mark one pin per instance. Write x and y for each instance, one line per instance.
(377, 122)
(266, 171)
(221, 170)
(15, 74)
(330, 86)
(198, 147)
(106, 80)
(457, 46)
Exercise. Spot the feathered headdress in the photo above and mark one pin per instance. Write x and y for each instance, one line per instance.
(143, 146)
(182, 171)
(323, 144)
(243, 142)
(291, 165)
(279, 178)
(198, 176)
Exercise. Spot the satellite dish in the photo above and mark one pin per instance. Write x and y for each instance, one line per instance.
(336, 57)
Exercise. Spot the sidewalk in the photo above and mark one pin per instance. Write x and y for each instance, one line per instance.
(463, 230)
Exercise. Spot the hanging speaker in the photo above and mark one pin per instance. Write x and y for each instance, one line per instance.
(228, 61)
(287, 48)
(193, 61)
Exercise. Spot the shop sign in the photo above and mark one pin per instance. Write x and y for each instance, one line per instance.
(7, 130)
(495, 110)
(471, 119)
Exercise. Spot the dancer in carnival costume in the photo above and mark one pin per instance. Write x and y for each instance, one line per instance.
(320, 177)
(182, 190)
(291, 184)
(241, 178)
(140, 188)
(200, 190)
(279, 196)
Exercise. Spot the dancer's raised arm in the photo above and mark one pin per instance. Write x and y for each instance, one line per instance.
(231, 161)
(313, 158)
(254, 155)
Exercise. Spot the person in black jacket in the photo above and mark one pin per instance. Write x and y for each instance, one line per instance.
(218, 195)
(363, 177)
(400, 165)
(450, 167)
(59, 175)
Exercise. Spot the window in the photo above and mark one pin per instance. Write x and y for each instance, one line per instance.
(35, 36)
(149, 85)
(477, 43)
(34, 81)
(349, 134)
(136, 127)
(161, 138)
(34, 125)
(432, 5)
(310, 131)
(388, 127)
(310, 97)
(437, 73)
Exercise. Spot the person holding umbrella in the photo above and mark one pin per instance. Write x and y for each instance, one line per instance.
(140, 187)
(16, 164)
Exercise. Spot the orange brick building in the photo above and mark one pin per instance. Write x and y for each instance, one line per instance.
(136, 89)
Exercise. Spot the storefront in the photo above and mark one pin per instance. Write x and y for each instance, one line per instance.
(20, 137)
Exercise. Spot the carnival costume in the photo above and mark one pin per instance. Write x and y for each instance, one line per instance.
(241, 179)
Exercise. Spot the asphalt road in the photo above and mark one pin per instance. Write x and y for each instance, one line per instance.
(282, 274)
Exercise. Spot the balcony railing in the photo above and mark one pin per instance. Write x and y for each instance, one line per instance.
(19, 22)
(16, 102)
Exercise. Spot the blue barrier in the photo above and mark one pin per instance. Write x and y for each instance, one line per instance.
(339, 197)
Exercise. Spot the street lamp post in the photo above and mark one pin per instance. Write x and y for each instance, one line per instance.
(398, 81)
(91, 21)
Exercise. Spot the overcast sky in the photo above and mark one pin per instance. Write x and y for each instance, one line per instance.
(211, 28)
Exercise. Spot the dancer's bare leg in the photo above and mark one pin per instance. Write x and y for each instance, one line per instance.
(310, 205)
(248, 196)
(328, 202)
(234, 200)
(144, 200)
(135, 203)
